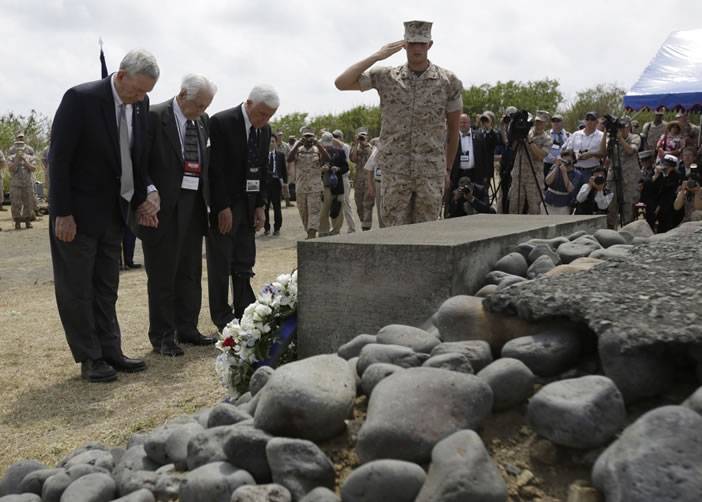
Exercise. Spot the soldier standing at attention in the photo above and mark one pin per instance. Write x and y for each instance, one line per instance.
(360, 151)
(22, 167)
(420, 105)
(3, 164)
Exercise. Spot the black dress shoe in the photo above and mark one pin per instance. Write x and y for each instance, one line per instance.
(97, 371)
(169, 348)
(196, 338)
(132, 265)
(126, 364)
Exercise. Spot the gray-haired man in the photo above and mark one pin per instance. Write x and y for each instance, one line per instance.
(177, 167)
(97, 145)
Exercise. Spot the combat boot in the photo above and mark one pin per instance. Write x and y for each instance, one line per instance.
(311, 234)
(27, 224)
(18, 225)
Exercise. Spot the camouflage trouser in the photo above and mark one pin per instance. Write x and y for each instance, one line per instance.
(631, 197)
(346, 205)
(364, 202)
(379, 204)
(410, 199)
(23, 203)
(524, 188)
(309, 204)
(324, 216)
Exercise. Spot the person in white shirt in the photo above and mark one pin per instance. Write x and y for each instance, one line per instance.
(585, 144)
(593, 197)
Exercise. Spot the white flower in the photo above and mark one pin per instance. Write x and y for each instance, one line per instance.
(265, 298)
(263, 310)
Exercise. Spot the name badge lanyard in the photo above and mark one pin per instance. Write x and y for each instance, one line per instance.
(253, 178)
(191, 170)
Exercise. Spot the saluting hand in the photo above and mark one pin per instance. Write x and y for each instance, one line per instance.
(389, 49)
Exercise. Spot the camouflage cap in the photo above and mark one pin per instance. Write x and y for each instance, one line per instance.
(542, 116)
(19, 135)
(556, 117)
(418, 32)
(361, 131)
(306, 131)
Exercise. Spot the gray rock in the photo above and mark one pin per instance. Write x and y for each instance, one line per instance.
(462, 471)
(391, 354)
(250, 406)
(513, 263)
(320, 494)
(454, 361)
(658, 457)
(299, 465)
(155, 444)
(496, 276)
(203, 416)
(477, 351)
(117, 454)
(245, 448)
(638, 228)
(168, 486)
(540, 266)
(354, 346)
(509, 281)
(98, 458)
(547, 353)
(628, 237)
(543, 250)
(177, 444)
(54, 487)
(486, 290)
(24, 497)
(96, 487)
(80, 470)
(142, 495)
(34, 481)
(411, 410)
(511, 381)
(242, 399)
(137, 480)
(353, 364)
(137, 439)
(78, 451)
(554, 242)
(208, 446)
(214, 482)
(383, 480)
(226, 414)
(694, 402)
(576, 234)
(374, 374)
(407, 336)
(456, 317)
(10, 482)
(608, 238)
(524, 249)
(262, 493)
(260, 378)
(134, 459)
(583, 412)
(310, 398)
(616, 251)
(579, 248)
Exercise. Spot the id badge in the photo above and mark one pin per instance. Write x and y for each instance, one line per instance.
(377, 174)
(190, 182)
(253, 186)
(192, 168)
(465, 162)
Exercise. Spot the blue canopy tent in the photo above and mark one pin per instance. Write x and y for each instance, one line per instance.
(673, 78)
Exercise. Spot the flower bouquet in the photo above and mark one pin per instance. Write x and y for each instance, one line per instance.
(264, 336)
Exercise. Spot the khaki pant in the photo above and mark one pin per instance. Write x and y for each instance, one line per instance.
(409, 200)
(337, 222)
(23, 203)
(364, 202)
(346, 205)
(524, 188)
(309, 204)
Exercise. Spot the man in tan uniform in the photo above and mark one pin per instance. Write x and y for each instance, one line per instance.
(308, 159)
(22, 167)
(420, 105)
(3, 164)
(652, 131)
(360, 151)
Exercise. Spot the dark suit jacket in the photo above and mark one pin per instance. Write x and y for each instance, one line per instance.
(280, 164)
(84, 159)
(228, 166)
(164, 163)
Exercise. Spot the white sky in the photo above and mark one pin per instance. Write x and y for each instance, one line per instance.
(301, 46)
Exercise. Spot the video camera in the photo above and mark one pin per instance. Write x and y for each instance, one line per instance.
(693, 179)
(519, 125)
(613, 124)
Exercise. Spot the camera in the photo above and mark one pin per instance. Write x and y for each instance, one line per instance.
(613, 124)
(308, 140)
(519, 125)
(600, 179)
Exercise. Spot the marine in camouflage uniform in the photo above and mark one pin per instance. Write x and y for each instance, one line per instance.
(3, 164)
(420, 105)
(631, 175)
(652, 132)
(360, 151)
(22, 167)
(308, 181)
(527, 186)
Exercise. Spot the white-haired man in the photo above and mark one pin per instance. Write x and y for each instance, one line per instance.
(239, 141)
(97, 145)
(177, 167)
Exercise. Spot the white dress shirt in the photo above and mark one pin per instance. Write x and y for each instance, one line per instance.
(181, 124)
(127, 108)
(247, 121)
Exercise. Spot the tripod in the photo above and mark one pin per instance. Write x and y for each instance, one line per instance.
(521, 144)
(614, 153)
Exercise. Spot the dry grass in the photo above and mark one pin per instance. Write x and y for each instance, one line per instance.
(46, 409)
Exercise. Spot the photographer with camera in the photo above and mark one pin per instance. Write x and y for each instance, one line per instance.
(664, 189)
(333, 171)
(628, 145)
(360, 151)
(308, 157)
(593, 197)
(562, 184)
(559, 136)
(467, 199)
(504, 150)
(585, 143)
(528, 169)
(689, 198)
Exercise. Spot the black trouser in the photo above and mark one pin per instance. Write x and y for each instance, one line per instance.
(274, 191)
(128, 245)
(230, 256)
(173, 260)
(86, 278)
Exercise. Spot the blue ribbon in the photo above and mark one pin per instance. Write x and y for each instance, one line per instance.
(282, 339)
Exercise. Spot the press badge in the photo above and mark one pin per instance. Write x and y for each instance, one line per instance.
(465, 161)
(191, 177)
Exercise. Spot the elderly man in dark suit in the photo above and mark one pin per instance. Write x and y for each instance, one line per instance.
(239, 142)
(97, 145)
(177, 166)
